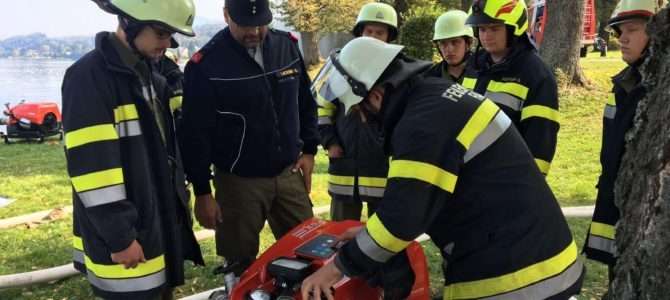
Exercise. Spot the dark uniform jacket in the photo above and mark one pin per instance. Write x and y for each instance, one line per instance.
(128, 183)
(247, 120)
(617, 120)
(441, 69)
(360, 174)
(525, 89)
(461, 173)
(175, 81)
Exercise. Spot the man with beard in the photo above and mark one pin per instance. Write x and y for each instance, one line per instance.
(132, 226)
(248, 111)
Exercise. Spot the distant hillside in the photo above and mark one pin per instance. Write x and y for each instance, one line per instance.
(39, 45)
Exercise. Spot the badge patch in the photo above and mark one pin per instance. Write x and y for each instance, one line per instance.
(288, 72)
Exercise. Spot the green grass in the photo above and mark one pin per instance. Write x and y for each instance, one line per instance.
(35, 176)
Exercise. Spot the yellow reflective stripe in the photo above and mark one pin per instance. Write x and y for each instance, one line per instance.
(364, 181)
(125, 113)
(91, 134)
(541, 112)
(543, 165)
(469, 83)
(175, 103)
(604, 230)
(97, 180)
(372, 181)
(120, 272)
(383, 237)
(325, 112)
(511, 88)
(512, 281)
(324, 103)
(424, 172)
(477, 123)
(77, 243)
(611, 99)
(341, 180)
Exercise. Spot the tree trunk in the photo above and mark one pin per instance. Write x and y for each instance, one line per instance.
(465, 5)
(401, 7)
(310, 48)
(642, 190)
(562, 39)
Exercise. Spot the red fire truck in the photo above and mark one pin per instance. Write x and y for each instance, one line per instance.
(537, 10)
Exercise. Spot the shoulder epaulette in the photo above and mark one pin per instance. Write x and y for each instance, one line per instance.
(292, 37)
(289, 34)
(197, 57)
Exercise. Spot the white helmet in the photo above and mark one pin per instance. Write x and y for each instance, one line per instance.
(452, 24)
(350, 75)
(627, 10)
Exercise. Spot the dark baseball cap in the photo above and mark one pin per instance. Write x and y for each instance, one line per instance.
(249, 12)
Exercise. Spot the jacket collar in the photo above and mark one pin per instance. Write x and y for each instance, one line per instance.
(629, 78)
(104, 46)
(403, 72)
(484, 63)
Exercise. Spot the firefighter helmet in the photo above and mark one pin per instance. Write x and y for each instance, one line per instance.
(176, 15)
(627, 10)
(509, 12)
(351, 74)
(452, 24)
(379, 13)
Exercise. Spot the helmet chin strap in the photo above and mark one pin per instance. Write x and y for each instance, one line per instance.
(132, 30)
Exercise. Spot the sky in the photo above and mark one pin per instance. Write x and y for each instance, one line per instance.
(58, 18)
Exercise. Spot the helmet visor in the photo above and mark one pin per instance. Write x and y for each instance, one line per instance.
(329, 84)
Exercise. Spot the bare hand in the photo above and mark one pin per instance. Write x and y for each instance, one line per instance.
(335, 151)
(350, 233)
(130, 257)
(207, 211)
(320, 282)
(305, 164)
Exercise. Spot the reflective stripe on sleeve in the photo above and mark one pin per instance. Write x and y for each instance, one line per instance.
(382, 237)
(493, 131)
(129, 128)
(603, 230)
(91, 134)
(425, 172)
(96, 180)
(477, 123)
(103, 196)
(540, 111)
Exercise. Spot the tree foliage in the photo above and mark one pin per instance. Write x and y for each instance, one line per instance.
(320, 15)
(417, 34)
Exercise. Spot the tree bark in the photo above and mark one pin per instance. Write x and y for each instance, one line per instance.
(562, 39)
(401, 7)
(310, 48)
(642, 190)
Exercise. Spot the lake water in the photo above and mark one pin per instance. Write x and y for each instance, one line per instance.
(31, 79)
(35, 80)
